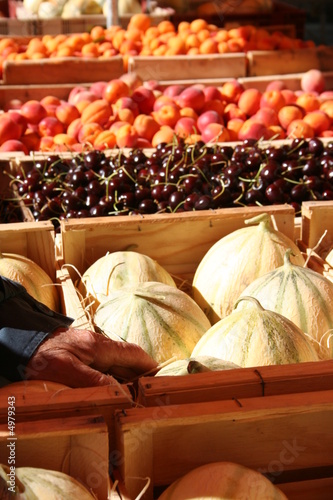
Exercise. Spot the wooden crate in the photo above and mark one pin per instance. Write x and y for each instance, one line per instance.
(77, 446)
(178, 242)
(47, 401)
(287, 437)
(61, 70)
(236, 384)
(289, 61)
(189, 67)
(317, 217)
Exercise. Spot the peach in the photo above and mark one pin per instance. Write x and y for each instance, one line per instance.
(50, 126)
(146, 126)
(191, 97)
(84, 96)
(33, 111)
(249, 101)
(253, 130)
(75, 91)
(266, 116)
(126, 102)
(327, 107)
(327, 95)
(272, 99)
(231, 91)
(289, 96)
(115, 89)
(208, 117)
(300, 129)
(18, 118)
(307, 101)
(185, 126)
(162, 100)
(98, 88)
(13, 145)
(275, 85)
(13, 104)
(66, 113)
(167, 115)
(164, 135)
(173, 90)
(288, 114)
(9, 128)
(215, 132)
(144, 98)
(318, 120)
(212, 93)
(132, 80)
(313, 81)
(127, 136)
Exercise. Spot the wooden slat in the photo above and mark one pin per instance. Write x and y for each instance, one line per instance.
(274, 435)
(189, 67)
(58, 70)
(282, 61)
(33, 403)
(77, 446)
(236, 384)
(317, 217)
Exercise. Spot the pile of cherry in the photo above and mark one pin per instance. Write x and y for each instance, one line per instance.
(177, 178)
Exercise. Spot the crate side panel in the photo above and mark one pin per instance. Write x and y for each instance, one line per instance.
(282, 61)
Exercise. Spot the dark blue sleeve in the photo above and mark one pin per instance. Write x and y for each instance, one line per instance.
(24, 324)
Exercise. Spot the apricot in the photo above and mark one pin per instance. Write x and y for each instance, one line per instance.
(104, 140)
(231, 91)
(307, 101)
(126, 136)
(327, 107)
(146, 126)
(267, 116)
(272, 99)
(66, 113)
(98, 111)
(300, 129)
(115, 89)
(288, 114)
(249, 101)
(164, 135)
(167, 115)
(318, 120)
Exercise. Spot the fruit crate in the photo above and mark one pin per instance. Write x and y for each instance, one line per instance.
(263, 62)
(288, 437)
(37, 241)
(39, 400)
(233, 65)
(236, 384)
(75, 445)
(61, 70)
(176, 241)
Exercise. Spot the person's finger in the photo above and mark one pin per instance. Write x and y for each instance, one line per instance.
(65, 368)
(109, 355)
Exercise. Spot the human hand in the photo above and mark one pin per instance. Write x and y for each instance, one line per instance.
(83, 358)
